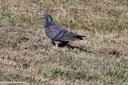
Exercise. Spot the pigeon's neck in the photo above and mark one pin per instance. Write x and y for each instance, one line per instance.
(49, 21)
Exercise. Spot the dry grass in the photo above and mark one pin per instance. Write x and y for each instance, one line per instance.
(27, 55)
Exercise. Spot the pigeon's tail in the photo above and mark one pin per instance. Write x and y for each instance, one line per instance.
(80, 37)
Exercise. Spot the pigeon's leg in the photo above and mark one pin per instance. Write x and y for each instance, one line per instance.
(53, 43)
(57, 43)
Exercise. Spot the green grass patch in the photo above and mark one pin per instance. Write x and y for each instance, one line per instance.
(57, 72)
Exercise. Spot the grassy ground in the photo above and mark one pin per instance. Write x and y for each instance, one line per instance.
(26, 54)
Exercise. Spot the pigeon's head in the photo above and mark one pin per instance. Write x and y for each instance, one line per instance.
(46, 15)
(48, 19)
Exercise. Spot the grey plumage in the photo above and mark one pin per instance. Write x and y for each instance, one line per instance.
(58, 35)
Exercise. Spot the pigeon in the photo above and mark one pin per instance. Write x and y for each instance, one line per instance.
(58, 35)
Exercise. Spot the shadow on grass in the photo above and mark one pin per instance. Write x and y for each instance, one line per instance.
(65, 44)
(78, 48)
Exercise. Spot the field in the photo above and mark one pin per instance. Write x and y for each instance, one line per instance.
(28, 57)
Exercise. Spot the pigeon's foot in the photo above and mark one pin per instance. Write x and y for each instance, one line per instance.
(57, 43)
(55, 48)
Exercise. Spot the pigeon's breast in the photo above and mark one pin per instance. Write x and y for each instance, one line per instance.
(51, 31)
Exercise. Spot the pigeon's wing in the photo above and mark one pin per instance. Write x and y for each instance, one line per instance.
(68, 36)
(57, 33)
(52, 31)
(65, 35)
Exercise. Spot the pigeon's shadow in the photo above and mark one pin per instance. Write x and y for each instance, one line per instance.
(76, 47)
(72, 47)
